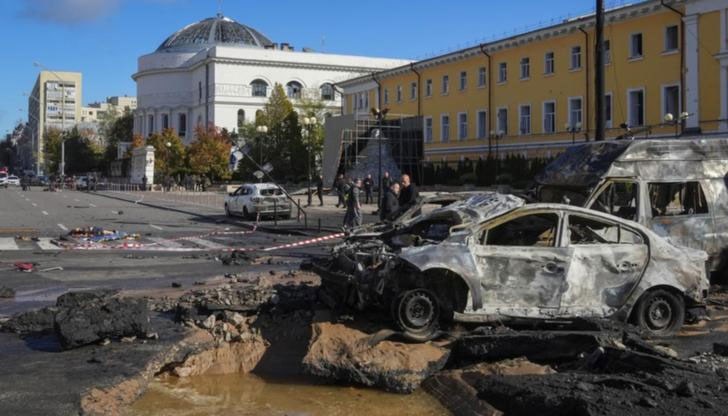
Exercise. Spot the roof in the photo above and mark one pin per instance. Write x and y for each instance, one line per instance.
(213, 31)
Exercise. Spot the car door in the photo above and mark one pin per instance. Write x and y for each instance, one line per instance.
(521, 265)
(244, 199)
(233, 200)
(608, 260)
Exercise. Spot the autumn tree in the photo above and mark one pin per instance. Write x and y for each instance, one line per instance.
(169, 152)
(209, 155)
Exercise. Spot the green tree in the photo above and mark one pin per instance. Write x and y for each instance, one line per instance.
(209, 155)
(83, 154)
(116, 130)
(52, 150)
(168, 160)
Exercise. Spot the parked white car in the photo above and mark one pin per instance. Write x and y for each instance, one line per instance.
(13, 180)
(264, 199)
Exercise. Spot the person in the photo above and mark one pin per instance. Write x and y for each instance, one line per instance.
(339, 186)
(320, 190)
(144, 183)
(407, 195)
(390, 205)
(368, 185)
(386, 183)
(353, 217)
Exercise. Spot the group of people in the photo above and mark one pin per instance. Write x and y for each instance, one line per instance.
(396, 197)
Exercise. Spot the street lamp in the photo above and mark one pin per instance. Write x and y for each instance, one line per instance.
(379, 115)
(309, 123)
(63, 116)
(670, 119)
(497, 136)
(262, 131)
(572, 128)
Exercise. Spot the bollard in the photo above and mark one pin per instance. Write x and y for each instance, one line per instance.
(298, 211)
(319, 225)
(275, 213)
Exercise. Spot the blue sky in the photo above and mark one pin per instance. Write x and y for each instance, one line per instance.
(103, 38)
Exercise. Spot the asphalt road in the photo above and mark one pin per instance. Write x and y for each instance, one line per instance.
(177, 239)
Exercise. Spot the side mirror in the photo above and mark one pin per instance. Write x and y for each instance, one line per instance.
(230, 194)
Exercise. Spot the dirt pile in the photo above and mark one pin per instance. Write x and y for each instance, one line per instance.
(346, 354)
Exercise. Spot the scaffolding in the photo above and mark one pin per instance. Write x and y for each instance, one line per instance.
(402, 146)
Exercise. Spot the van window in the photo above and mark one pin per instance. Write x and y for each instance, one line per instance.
(538, 230)
(586, 231)
(677, 198)
(619, 199)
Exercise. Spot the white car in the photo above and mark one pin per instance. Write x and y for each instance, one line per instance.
(13, 180)
(258, 199)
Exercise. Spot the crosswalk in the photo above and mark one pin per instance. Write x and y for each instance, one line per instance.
(13, 244)
(47, 243)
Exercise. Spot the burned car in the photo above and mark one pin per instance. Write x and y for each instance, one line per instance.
(492, 257)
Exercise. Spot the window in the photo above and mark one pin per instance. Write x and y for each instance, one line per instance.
(536, 230)
(502, 72)
(525, 68)
(548, 63)
(525, 119)
(428, 130)
(608, 110)
(241, 118)
(482, 124)
(151, 125)
(259, 88)
(444, 128)
(413, 90)
(445, 84)
(503, 121)
(463, 80)
(399, 93)
(587, 231)
(635, 46)
(677, 198)
(386, 96)
(607, 50)
(182, 124)
(482, 76)
(618, 199)
(636, 104)
(671, 101)
(549, 117)
(462, 126)
(165, 121)
(199, 91)
(294, 89)
(327, 92)
(671, 39)
(576, 57)
(575, 112)
(428, 88)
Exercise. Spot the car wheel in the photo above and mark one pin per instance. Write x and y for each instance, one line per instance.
(417, 314)
(227, 211)
(660, 313)
(246, 214)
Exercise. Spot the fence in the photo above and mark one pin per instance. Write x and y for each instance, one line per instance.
(201, 198)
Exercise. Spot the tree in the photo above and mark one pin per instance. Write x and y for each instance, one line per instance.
(116, 130)
(209, 155)
(52, 150)
(168, 160)
(83, 154)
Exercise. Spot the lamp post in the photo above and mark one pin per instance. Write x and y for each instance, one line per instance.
(670, 119)
(497, 136)
(63, 117)
(379, 115)
(262, 131)
(573, 129)
(309, 123)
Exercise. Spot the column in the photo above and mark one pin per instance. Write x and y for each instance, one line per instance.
(692, 84)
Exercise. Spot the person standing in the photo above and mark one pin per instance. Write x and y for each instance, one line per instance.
(368, 185)
(408, 195)
(390, 205)
(320, 190)
(339, 186)
(353, 217)
(144, 183)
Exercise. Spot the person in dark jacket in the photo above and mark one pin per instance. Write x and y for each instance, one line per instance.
(353, 216)
(390, 205)
(408, 194)
(320, 190)
(368, 186)
(340, 191)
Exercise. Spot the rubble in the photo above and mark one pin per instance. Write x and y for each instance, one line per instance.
(348, 355)
(7, 292)
(99, 234)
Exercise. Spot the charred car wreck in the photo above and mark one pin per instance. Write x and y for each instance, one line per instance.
(492, 257)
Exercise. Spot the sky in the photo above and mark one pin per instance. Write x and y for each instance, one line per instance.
(103, 38)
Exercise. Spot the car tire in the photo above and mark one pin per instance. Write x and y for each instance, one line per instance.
(246, 214)
(417, 314)
(660, 313)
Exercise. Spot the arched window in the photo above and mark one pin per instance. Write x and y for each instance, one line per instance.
(293, 89)
(260, 88)
(327, 92)
(241, 118)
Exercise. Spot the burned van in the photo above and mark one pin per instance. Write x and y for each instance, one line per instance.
(675, 187)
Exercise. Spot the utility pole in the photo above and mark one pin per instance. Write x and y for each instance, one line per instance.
(599, 74)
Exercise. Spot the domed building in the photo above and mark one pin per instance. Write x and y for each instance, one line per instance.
(218, 71)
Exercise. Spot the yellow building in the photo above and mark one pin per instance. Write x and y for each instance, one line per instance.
(533, 94)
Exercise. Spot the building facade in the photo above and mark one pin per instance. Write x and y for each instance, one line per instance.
(54, 103)
(220, 72)
(96, 111)
(533, 94)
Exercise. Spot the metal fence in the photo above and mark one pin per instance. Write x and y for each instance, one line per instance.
(201, 198)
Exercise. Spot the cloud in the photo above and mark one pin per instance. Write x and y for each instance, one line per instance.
(68, 11)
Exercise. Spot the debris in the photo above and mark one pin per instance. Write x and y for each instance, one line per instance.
(720, 348)
(24, 267)
(99, 234)
(7, 292)
(209, 322)
(128, 340)
(237, 258)
(176, 284)
(52, 269)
